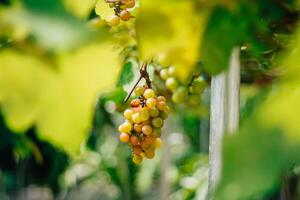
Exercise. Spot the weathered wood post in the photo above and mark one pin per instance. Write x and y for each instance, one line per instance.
(224, 117)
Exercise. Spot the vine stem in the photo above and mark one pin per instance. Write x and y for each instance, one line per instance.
(143, 74)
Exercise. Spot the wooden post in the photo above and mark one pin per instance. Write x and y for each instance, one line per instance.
(224, 116)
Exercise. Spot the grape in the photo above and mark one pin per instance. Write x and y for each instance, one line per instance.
(171, 83)
(198, 86)
(149, 93)
(147, 129)
(144, 114)
(150, 153)
(135, 103)
(139, 91)
(151, 102)
(137, 150)
(138, 127)
(158, 143)
(156, 132)
(161, 98)
(125, 15)
(164, 74)
(124, 137)
(172, 71)
(114, 20)
(157, 122)
(136, 118)
(162, 105)
(194, 100)
(143, 123)
(137, 159)
(163, 60)
(125, 127)
(163, 115)
(180, 94)
(128, 113)
(134, 140)
(154, 112)
(129, 4)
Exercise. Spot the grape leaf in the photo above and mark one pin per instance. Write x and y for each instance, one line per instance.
(60, 102)
(80, 8)
(103, 10)
(177, 35)
(48, 22)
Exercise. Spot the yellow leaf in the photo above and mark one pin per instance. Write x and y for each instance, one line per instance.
(59, 100)
(103, 10)
(173, 28)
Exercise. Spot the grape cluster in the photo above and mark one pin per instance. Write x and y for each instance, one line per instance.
(144, 120)
(121, 11)
(183, 92)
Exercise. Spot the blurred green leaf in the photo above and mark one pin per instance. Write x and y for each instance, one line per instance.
(126, 75)
(60, 103)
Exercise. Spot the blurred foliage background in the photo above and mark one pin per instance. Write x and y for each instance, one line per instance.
(64, 75)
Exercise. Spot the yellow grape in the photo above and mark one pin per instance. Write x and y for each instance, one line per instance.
(144, 114)
(149, 93)
(164, 74)
(125, 15)
(125, 127)
(124, 137)
(139, 91)
(158, 143)
(161, 98)
(151, 102)
(161, 105)
(138, 127)
(147, 129)
(128, 113)
(136, 118)
(114, 20)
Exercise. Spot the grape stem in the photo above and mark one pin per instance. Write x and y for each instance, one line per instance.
(143, 74)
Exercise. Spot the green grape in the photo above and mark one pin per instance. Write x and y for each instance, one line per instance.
(151, 102)
(164, 74)
(144, 113)
(163, 115)
(180, 94)
(149, 93)
(157, 122)
(156, 132)
(198, 86)
(139, 91)
(147, 129)
(164, 60)
(154, 112)
(172, 71)
(194, 100)
(171, 83)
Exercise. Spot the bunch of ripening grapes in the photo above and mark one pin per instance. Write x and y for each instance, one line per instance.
(144, 120)
(121, 11)
(183, 92)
